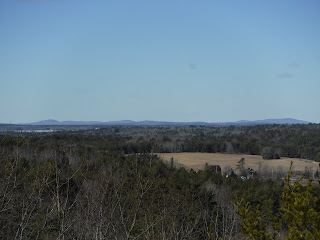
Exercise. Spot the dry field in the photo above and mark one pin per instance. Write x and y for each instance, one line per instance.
(197, 161)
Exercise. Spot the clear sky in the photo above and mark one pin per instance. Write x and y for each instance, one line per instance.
(169, 60)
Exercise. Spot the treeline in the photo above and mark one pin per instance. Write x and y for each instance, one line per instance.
(270, 141)
(73, 186)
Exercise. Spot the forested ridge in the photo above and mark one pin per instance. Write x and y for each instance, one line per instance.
(107, 184)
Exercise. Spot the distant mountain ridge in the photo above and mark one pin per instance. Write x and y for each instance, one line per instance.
(164, 123)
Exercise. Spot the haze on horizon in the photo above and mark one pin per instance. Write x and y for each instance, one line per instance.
(213, 61)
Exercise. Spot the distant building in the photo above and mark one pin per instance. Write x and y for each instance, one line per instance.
(215, 168)
(250, 172)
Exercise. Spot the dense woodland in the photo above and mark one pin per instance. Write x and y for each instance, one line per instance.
(108, 184)
(270, 141)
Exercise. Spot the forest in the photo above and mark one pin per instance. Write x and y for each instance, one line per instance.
(108, 184)
(269, 141)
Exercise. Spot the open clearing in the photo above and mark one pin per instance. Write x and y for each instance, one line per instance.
(197, 161)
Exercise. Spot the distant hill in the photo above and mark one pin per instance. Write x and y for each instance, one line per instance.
(164, 123)
(46, 122)
(281, 121)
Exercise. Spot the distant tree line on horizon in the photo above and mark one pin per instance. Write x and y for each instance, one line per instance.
(269, 141)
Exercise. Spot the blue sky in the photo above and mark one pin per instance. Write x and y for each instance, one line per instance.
(177, 60)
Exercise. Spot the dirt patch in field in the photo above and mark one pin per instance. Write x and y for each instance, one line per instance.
(197, 161)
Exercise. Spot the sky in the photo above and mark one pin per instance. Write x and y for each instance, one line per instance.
(162, 60)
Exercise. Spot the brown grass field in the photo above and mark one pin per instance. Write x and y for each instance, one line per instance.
(197, 161)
